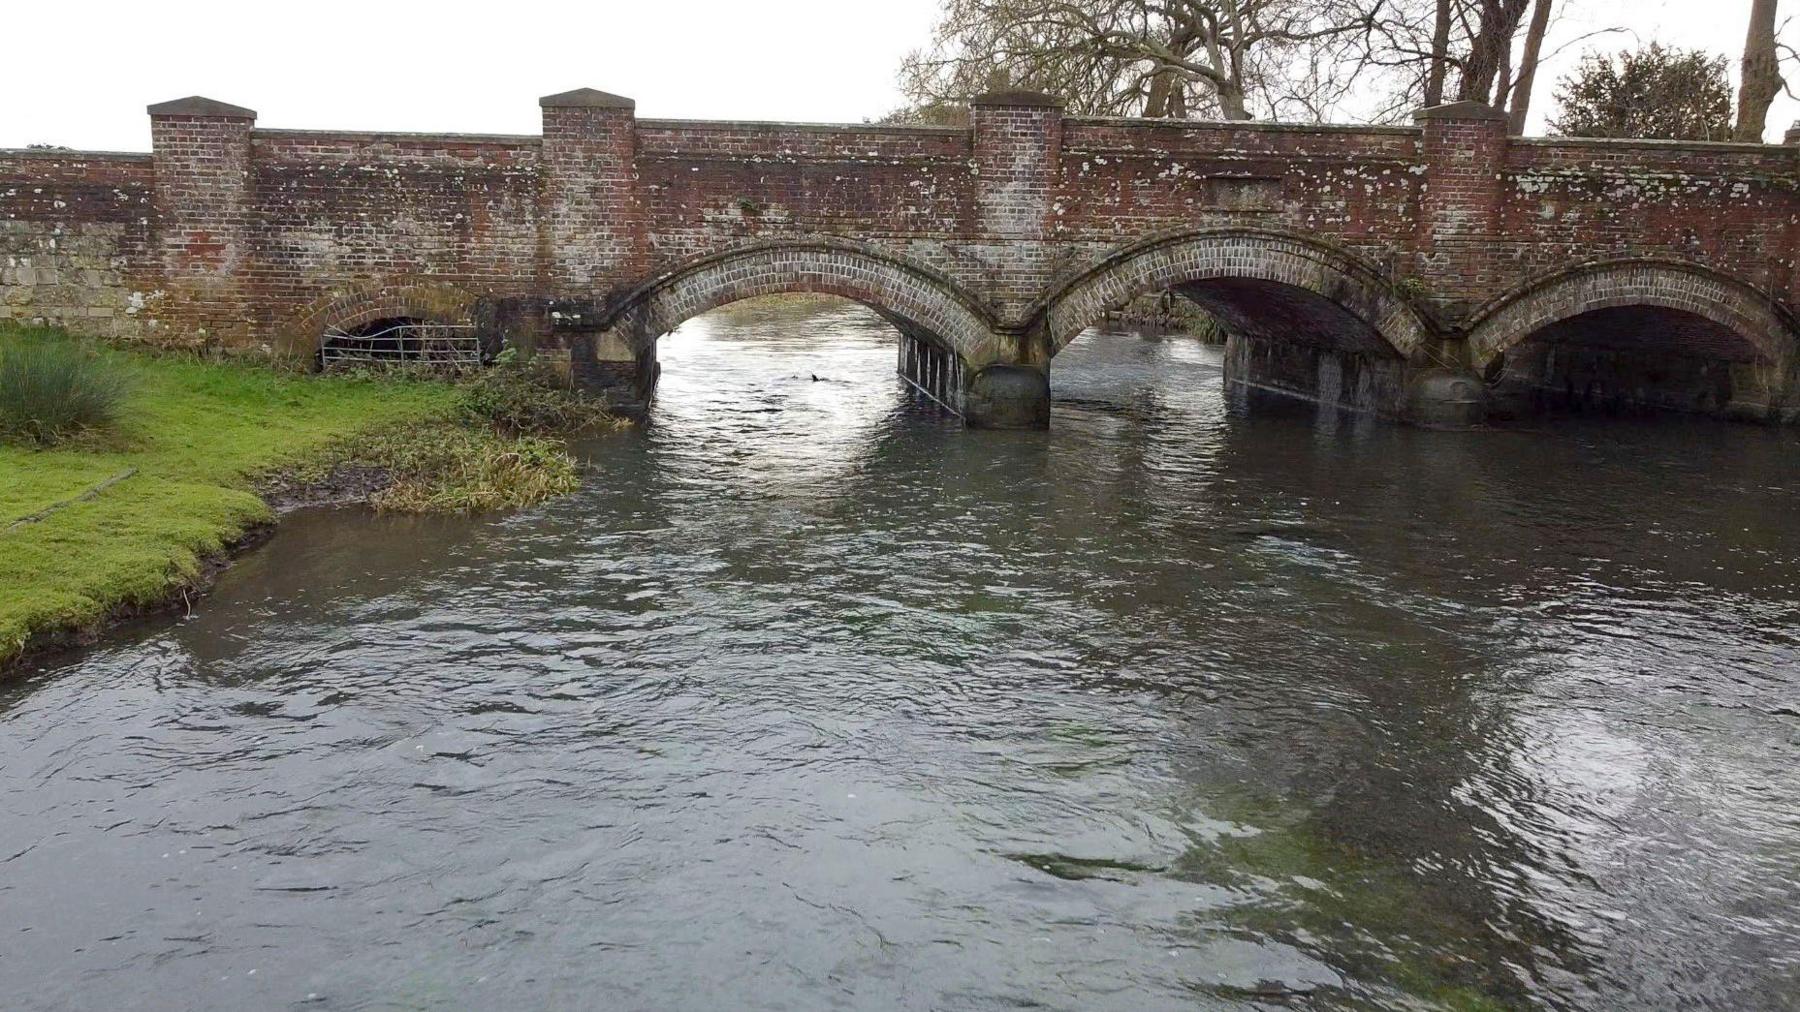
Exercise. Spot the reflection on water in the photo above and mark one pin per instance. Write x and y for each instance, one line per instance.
(814, 700)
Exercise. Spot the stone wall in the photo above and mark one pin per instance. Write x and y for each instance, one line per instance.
(74, 240)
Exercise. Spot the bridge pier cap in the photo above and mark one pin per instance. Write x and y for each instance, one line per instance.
(587, 98)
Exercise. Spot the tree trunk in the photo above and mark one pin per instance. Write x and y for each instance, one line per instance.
(1156, 104)
(1440, 56)
(1528, 65)
(1491, 47)
(1231, 101)
(1761, 74)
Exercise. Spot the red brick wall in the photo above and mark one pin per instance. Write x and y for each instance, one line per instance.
(705, 186)
(245, 234)
(1123, 179)
(340, 211)
(1728, 205)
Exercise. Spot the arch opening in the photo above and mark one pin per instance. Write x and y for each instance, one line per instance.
(1638, 339)
(1627, 359)
(388, 321)
(945, 336)
(400, 340)
(1297, 318)
(1273, 311)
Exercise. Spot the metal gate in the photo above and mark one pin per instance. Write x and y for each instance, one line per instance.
(448, 346)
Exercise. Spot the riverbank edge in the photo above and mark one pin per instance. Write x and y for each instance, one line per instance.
(47, 644)
(327, 479)
(495, 439)
(281, 490)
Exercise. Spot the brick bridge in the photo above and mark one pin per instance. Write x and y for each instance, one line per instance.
(1428, 272)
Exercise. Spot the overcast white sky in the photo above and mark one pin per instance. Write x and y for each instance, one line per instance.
(81, 73)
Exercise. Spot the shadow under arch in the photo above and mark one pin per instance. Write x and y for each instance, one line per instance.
(1255, 281)
(1649, 332)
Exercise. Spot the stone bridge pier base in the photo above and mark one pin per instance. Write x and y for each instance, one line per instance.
(996, 396)
(1005, 396)
(1368, 381)
(606, 364)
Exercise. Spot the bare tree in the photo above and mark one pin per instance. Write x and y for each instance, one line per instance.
(1431, 49)
(1148, 57)
(1761, 74)
(1438, 58)
(1490, 47)
(1299, 59)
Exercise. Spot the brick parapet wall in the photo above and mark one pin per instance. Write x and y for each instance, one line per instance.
(310, 147)
(1123, 179)
(1565, 202)
(1177, 137)
(697, 139)
(243, 231)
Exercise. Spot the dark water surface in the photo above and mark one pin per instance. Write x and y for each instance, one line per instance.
(811, 700)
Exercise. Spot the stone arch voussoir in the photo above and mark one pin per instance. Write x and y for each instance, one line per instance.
(1165, 262)
(1726, 301)
(918, 298)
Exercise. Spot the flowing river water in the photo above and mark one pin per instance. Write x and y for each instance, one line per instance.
(811, 699)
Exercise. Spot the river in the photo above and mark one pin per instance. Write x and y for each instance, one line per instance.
(811, 699)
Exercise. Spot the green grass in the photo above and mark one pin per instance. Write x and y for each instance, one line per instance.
(197, 433)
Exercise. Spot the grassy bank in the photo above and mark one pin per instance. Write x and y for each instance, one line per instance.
(129, 515)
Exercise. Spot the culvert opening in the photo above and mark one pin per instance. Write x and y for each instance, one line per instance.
(402, 340)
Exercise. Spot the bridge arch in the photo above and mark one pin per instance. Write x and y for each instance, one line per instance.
(349, 307)
(1640, 334)
(1702, 311)
(924, 304)
(1252, 280)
